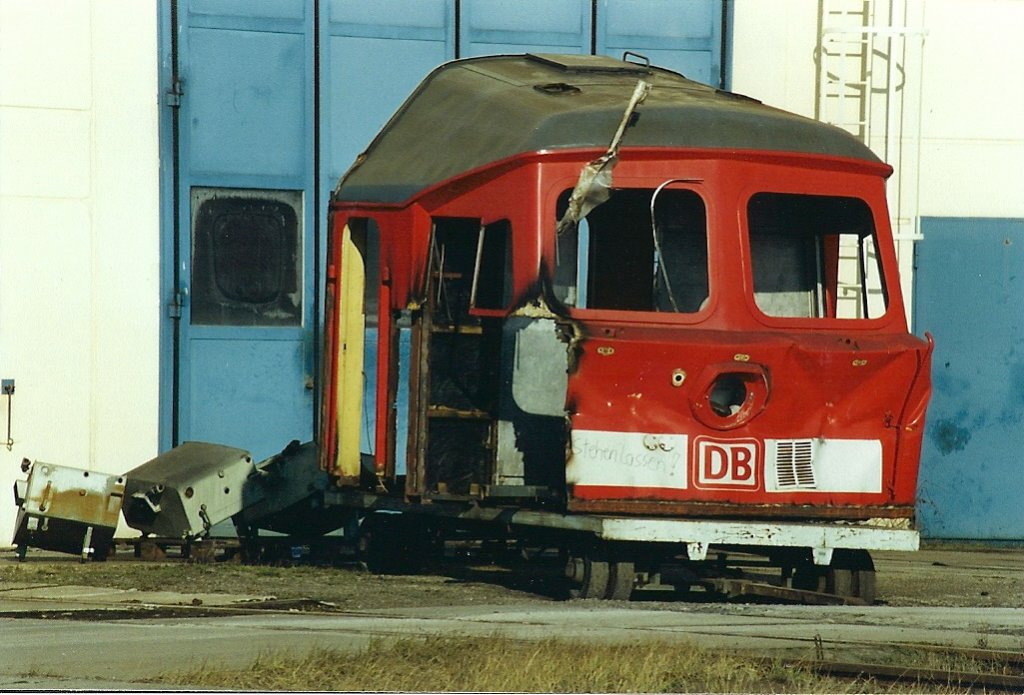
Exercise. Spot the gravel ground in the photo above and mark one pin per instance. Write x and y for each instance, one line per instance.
(936, 576)
(948, 575)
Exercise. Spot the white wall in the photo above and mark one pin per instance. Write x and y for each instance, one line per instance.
(79, 235)
(973, 123)
(972, 126)
(958, 140)
(773, 52)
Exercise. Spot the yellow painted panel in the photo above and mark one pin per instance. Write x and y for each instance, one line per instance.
(349, 373)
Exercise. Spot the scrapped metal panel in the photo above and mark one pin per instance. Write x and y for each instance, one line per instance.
(448, 125)
(67, 509)
(292, 486)
(968, 287)
(183, 492)
(539, 366)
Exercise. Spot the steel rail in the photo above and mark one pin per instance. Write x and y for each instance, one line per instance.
(909, 674)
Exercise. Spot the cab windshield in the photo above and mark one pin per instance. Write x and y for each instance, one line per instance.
(815, 256)
(630, 255)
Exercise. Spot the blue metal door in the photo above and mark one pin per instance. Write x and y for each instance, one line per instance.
(274, 102)
(372, 56)
(245, 232)
(682, 36)
(489, 27)
(967, 291)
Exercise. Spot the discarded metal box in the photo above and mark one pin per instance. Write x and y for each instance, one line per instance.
(183, 492)
(67, 509)
(293, 486)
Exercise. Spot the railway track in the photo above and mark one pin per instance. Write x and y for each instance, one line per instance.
(989, 669)
(1005, 671)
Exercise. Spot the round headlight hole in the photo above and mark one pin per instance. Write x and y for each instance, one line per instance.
(727, 395)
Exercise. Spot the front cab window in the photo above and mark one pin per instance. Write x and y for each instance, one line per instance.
(815, 257)
(616, 258)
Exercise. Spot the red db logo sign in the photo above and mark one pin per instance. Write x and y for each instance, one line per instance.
(729, 463)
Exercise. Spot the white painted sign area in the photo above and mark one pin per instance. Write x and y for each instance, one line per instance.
(628, 459)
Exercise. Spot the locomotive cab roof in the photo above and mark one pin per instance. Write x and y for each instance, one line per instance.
(469, 113)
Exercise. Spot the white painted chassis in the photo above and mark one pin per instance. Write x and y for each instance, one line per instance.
(821, 538)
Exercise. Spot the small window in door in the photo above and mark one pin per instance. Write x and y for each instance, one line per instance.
(246, 257)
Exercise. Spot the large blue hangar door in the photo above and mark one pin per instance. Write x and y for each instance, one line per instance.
(276, 100)
(245, 230)
(968, 287)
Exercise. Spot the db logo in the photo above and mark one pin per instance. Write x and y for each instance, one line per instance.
(726, 464)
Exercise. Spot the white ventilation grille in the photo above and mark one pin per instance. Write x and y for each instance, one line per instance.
(794, 464)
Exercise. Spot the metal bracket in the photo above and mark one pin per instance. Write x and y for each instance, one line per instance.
(87, 549)
(7, 387)
(822, 556)
(172, 97)
(697, 551)
(174, 306)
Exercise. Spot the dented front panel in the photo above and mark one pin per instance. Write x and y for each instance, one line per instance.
(826, 425)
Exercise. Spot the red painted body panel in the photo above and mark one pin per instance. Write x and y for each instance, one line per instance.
(815, 391)
(821, 379)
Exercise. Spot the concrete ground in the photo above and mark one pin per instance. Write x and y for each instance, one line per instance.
(84, 637)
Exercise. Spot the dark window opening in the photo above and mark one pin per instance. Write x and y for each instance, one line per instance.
(246, 258)
(473, 266)
(366, 238)
(614, 260)
(492, 277)
(815, 257)
(452, 259)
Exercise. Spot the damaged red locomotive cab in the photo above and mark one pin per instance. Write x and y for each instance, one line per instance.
(593, 286)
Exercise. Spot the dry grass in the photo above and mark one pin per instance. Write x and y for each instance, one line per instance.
(500, 664)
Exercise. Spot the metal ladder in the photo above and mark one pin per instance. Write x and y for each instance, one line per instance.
(870, 74)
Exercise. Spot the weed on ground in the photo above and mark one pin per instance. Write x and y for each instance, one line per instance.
(501, 664)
